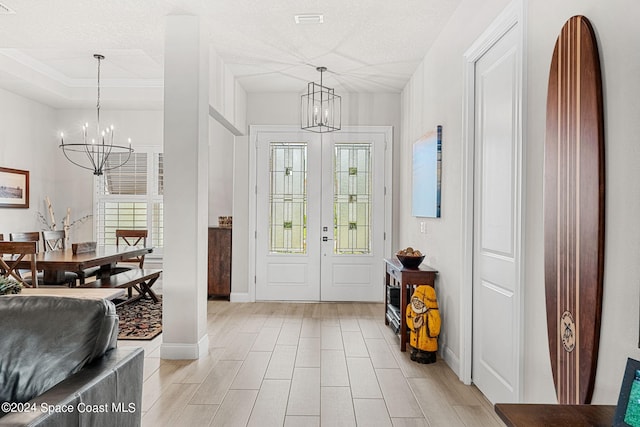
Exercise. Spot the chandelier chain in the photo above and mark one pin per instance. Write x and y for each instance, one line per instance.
(98, 104)
(99, 58)
(94, 154)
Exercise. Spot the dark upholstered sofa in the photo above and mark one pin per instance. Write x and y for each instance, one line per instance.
(59, 365)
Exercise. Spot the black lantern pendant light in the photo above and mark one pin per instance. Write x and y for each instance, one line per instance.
(320, 107)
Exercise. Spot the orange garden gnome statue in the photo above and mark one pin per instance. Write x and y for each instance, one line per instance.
(423, 319)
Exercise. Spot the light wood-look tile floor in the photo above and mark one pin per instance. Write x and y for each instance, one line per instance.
(292, 364)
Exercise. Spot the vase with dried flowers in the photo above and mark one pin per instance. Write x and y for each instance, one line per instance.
(66, 223)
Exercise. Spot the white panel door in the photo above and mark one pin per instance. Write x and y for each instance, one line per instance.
(288, 216)
(320, 216)
(353, 216)
(496, 222)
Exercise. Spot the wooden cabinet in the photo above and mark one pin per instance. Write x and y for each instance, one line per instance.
(400, 283)
(219, 271)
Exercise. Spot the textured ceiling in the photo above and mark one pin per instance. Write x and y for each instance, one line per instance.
(46, 47)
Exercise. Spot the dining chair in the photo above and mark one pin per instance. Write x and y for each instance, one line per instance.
(28, 236)
(83, 248)
(34, 236)
(1, 240)
(17, 251)
(54, 240)
(130, 238)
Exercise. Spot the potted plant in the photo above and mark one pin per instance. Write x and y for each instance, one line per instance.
(9, 286)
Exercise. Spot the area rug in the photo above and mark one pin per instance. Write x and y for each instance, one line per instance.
(140, 320)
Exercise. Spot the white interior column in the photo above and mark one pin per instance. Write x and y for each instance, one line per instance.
(186, 112)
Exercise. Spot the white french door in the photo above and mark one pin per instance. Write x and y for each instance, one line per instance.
(320, 214)
(288, 201)
(352, 217)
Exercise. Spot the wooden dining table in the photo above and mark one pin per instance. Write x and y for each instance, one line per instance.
(55, 263)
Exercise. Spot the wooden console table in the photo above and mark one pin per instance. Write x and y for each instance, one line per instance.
(406, 279)
(219, 262)
(530, 415)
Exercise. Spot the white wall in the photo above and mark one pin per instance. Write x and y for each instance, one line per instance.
(273, 108)
(24, 145)
(27, 142)
(617, 33)
(240, 236)
(434, 96)
(29, 139)
(74, 186)
(220, 172)
(226, 95)
(373, 109)
(144, 128)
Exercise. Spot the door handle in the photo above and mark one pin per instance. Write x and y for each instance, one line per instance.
(325, 239)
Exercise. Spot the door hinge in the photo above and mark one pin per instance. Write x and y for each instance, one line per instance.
(384, 235)
(385, 191)
(256, 189)
(255, 279)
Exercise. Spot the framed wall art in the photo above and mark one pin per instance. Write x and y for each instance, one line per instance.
(427, 171)
(14, 188)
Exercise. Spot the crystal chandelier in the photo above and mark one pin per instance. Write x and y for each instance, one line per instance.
(94, 152)
(320, 107)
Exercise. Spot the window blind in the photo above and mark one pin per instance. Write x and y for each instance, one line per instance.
(130, 197)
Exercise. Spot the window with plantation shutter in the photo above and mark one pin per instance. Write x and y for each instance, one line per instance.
(130, 197)
(130, 178)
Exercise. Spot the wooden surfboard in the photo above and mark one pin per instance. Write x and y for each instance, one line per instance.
(574, 211)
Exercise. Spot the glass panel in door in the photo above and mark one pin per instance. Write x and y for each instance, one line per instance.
(288, 198)
(352, 198)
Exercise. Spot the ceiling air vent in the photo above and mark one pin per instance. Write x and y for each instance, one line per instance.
(6, 10)
(309, 19)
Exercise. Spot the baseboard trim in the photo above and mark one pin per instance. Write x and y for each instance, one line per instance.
(452, 360)
(239, 297)
(176, 351)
